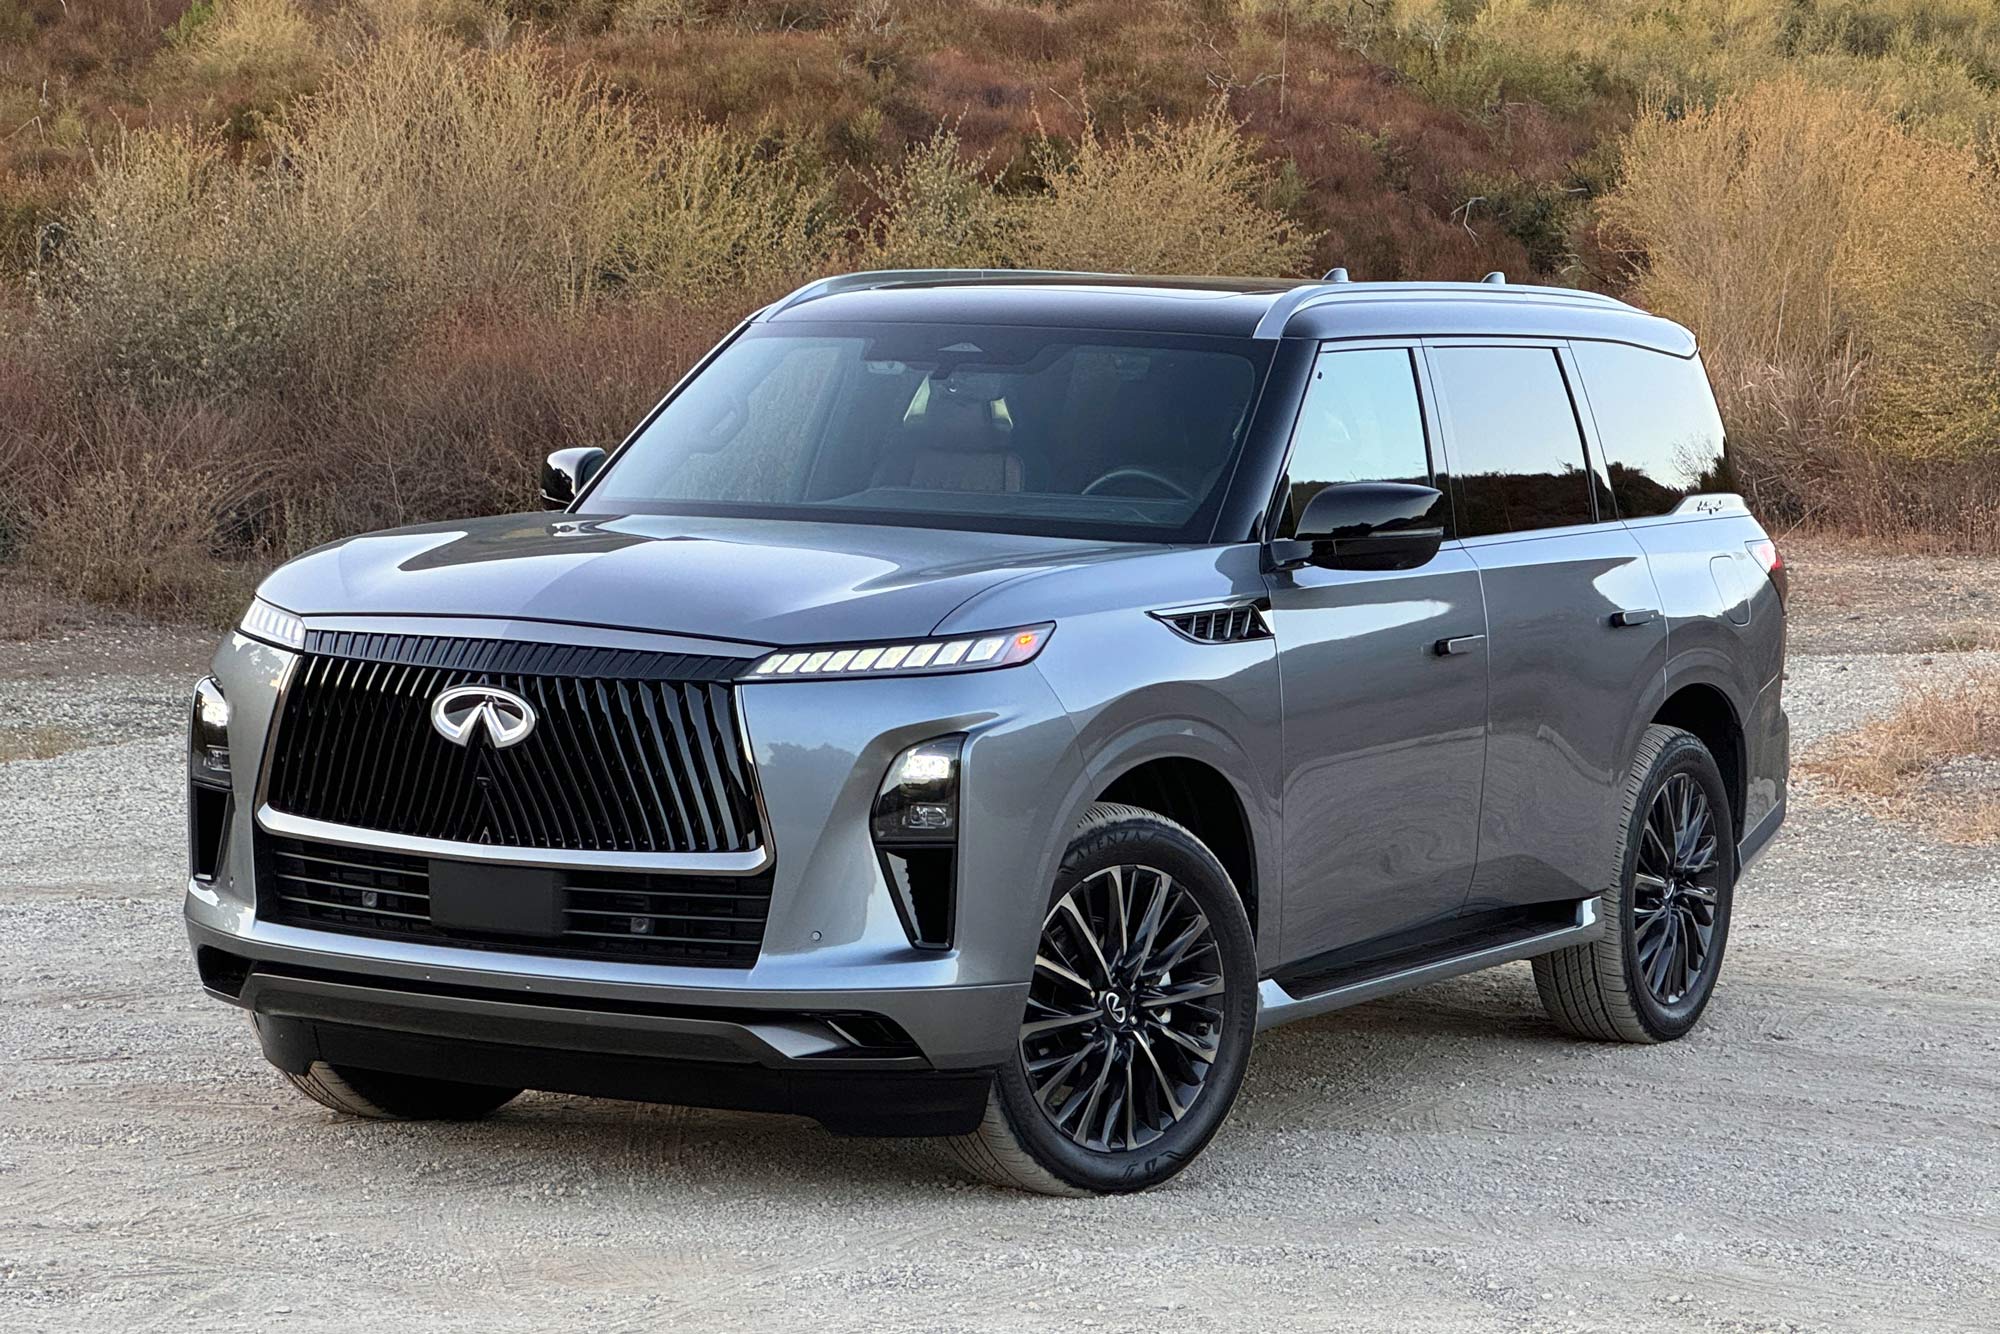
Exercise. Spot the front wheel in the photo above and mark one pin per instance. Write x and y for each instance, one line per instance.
(1140, 1015)
(1651, 975)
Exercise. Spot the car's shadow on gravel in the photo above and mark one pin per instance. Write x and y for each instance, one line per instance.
(1375, 1067)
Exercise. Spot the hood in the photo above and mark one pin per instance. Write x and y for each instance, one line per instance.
(760, 581)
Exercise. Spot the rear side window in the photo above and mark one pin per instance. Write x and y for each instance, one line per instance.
(1361, 422)
(1656, 424)
(1515, 443)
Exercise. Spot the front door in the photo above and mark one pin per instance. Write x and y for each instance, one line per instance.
(1384, 731)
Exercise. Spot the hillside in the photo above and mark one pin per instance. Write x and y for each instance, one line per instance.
(279, 269)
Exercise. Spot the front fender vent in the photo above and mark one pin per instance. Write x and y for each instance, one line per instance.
(1232, 624)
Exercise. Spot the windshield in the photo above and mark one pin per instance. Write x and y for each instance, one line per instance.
(1060, 432)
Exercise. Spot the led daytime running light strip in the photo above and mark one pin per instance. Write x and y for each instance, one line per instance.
(266, 622)
(1003, 648)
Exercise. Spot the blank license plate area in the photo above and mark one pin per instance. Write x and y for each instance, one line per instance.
(510, 900)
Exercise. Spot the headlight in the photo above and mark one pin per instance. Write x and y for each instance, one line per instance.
(273, 625)
(208, 735)
(915, 824)
(906, 657)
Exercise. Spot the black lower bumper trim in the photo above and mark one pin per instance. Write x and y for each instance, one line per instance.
(859, 1102)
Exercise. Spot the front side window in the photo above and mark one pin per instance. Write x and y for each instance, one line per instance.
(1657, 425)
(1515, 443)
(1064, 432)
(1361, 422)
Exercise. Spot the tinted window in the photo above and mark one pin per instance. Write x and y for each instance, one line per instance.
(1515, 444)
(1067, 432)
(1361, 422)
(1657, 425)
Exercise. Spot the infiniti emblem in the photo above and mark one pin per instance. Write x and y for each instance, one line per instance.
(459, 714)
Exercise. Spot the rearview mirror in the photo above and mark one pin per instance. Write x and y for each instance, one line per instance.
(1366, 526)
(566, 472)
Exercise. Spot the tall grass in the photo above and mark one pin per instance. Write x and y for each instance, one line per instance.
(1843, 272)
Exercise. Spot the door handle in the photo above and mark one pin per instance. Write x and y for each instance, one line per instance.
(1446, 648)
(1633, 616)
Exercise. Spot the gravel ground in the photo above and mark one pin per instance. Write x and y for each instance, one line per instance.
(1824, 1152)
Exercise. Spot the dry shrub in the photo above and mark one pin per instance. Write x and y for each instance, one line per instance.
(1171, 198)
(1927, 62)
(727, 219)
(938, 211)
(184, 271)
(267, 44)
(479, 177)
(1843, 274)
(1893, 762)
(150, 494)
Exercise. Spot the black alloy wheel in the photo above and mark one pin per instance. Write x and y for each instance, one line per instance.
(1124, 1014)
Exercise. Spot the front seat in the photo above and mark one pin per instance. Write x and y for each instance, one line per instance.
(955, 444)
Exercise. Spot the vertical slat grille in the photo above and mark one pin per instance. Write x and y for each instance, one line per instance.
(621, 760)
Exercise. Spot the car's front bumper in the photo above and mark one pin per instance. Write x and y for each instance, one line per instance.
(768, 1035)
(861, 1062)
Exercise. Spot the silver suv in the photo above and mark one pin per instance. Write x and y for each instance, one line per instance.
(974, 704)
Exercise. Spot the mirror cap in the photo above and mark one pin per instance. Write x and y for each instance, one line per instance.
(566, 472)
(1368, 526)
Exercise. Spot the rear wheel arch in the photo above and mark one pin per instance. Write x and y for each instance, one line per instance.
(1705, 711)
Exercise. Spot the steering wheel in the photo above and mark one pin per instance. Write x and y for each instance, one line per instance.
(1133, 472)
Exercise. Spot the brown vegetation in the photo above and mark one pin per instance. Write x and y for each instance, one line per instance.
(1901, 763)
(289, 268)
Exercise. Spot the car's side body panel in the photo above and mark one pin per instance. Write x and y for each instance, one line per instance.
(1569, 689)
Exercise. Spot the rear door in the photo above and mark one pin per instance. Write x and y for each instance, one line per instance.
(1383, 735)
(1576, 644)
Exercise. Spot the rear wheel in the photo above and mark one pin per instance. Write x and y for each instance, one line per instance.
(384, 1096)
(1649, 978)
(1139, 1020)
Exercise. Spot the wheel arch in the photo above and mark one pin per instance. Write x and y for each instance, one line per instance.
(1705, 710)
(1196, 775)
(1197, 795)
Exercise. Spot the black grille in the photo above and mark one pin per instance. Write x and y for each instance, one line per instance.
(632, 751)
(1220, 625)
(715, 921)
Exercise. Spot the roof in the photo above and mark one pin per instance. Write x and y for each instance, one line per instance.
(1239, 307)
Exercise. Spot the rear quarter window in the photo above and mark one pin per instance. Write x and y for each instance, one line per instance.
(1657, 426)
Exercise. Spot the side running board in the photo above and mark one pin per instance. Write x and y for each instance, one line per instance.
(1277, 1006)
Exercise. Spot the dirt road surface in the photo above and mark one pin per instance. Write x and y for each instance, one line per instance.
(1824, 1152)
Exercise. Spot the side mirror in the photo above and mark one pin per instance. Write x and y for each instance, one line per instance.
(566, 472)
(1366, 526)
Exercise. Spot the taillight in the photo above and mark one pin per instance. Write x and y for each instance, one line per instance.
(1765, 552)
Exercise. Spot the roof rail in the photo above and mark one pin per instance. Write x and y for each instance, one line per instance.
(1279, 315)
(873, 278)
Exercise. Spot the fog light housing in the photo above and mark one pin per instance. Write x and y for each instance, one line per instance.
(915, 824)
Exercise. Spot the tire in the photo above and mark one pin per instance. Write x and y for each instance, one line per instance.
(390, 1097)
(1612, 988)
(1173, 1049)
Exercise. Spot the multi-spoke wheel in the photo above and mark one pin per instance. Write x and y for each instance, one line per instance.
(1123, 1015)
(1667, 909)
(1139, 1016)
(1674, 889)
